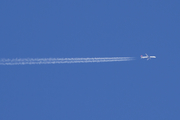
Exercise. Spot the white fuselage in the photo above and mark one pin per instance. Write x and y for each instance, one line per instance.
(147, 57)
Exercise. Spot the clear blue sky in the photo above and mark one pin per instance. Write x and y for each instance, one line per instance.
(133, 90)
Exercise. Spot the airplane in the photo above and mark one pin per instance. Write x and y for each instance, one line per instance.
(148, 57)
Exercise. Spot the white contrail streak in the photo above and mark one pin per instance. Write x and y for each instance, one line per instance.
(31, 61)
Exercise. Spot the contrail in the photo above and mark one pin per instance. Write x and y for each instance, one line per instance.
(30, 61)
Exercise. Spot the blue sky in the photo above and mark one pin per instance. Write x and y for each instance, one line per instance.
(137, 90)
